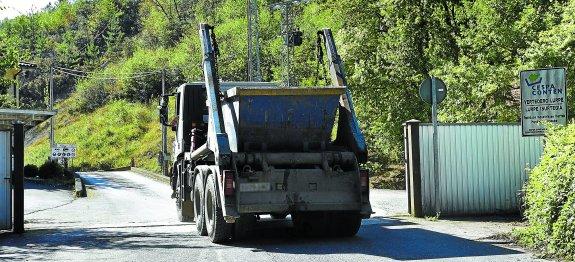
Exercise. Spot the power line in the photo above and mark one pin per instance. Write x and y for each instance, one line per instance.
(104, 74)
(142, 75)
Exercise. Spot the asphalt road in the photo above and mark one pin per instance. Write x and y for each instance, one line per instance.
(127, 217)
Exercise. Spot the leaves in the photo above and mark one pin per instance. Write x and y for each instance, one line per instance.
(550, 197)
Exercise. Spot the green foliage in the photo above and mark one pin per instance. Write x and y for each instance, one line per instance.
(31, 171)
(550, 197)
(51, 169)
(7, 101)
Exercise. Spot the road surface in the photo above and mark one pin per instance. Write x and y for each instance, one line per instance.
(128, 217)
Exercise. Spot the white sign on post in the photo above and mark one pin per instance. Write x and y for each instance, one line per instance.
(64, 151)
(543, 99)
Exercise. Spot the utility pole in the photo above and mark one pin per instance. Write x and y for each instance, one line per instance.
(164, 131)
(254, 71)
(287, 24)
(51, 101)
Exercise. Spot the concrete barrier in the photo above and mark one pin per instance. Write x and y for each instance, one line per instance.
(79, 186)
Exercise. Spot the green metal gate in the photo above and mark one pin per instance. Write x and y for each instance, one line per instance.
(482, 167)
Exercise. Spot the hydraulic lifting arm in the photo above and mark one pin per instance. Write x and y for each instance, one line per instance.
(348, 131)
(217, 138)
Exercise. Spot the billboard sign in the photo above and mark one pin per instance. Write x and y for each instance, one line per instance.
(543, 99)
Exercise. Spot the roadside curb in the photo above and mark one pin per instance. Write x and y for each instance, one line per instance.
(79, 186)
(152, 175)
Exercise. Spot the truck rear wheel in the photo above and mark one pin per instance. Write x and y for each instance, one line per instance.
(199, 206)
(218, 230)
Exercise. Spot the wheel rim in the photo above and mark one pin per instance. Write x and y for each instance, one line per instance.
(178, 195)
(197, 204)
(209, 208)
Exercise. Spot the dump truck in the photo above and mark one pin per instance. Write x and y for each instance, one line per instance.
(246, 149)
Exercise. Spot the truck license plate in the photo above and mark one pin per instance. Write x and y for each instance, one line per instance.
(254, 187)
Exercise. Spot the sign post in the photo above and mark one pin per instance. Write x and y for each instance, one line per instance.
(433, 90)
(543, 99)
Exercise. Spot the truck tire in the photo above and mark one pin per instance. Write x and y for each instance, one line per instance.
(345, 224)
(218, 230)
(199, 206)
(184, 208)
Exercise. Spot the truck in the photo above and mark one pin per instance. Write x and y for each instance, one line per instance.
(246, 149)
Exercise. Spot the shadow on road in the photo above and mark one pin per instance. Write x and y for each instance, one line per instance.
(382, 237)
(45, 186)
(41, 243)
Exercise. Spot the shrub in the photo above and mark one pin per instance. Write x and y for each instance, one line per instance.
(50, 169)
(91, 97)
(30, 171)
(550, 197)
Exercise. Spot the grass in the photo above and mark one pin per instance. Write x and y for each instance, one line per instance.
(107, 138)
(392, 177)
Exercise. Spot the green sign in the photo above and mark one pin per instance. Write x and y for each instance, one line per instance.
(425, 90)
(543, 99)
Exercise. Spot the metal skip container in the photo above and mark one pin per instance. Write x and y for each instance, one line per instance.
(280, 119)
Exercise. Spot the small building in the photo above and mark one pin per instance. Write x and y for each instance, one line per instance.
(13, 124)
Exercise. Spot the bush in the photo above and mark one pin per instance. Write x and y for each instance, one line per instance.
(30, 171)
(550, 197)
(91, 97)
(50, 169)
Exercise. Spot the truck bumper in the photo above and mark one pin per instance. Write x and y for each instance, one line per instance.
(302, 190)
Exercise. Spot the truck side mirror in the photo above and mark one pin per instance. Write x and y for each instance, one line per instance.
(163, 110)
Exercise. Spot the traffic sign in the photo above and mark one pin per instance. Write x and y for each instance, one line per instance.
(64, 151)
(433, 91)
(543, 99)
(425, 90)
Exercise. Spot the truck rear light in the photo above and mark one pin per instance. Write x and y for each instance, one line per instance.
(364, 179)
(229, 185)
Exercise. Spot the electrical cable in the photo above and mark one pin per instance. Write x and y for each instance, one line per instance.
(86, 72)
(107, 78)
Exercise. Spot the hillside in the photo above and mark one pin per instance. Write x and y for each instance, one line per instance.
(476, 47)
(111, 136)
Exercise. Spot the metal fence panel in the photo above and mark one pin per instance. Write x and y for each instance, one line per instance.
(482, 167)
(5, 188)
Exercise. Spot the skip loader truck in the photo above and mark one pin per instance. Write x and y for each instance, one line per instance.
(244, 149)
